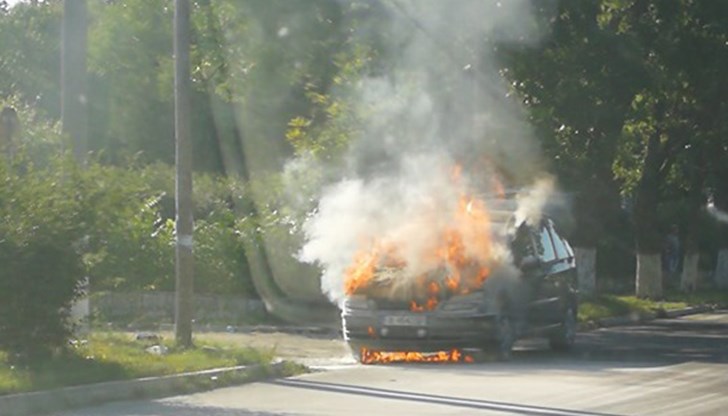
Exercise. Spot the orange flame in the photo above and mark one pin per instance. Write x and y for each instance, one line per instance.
(378, 357)
(371, 332)
(361, 272)
(464, 250)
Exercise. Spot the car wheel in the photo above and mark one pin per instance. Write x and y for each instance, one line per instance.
(563, 339)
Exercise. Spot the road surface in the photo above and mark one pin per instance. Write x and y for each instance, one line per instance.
(665, 367)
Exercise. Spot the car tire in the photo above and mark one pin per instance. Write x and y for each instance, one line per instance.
(565, 337)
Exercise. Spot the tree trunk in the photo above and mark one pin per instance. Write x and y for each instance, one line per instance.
(721, 269)
(74, 101)
(721, 203)
(689, 277)
(649, 276)
(586, 259)
(696, 202)
(648, 282)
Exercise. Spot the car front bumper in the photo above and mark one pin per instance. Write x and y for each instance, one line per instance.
(431, 331)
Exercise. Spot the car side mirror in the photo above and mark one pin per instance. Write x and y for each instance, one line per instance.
(530, 263)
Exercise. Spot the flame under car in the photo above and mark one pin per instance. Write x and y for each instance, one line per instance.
(534, 295)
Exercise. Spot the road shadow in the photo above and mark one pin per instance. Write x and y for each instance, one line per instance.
(450, 401)
(663, 341)
(658, 343)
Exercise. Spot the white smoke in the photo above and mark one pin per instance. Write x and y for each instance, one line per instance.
(443, 104)
(716, 213)
(531, 202)
(408, 210)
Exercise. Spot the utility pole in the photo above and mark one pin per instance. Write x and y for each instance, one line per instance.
(184, 222)
(74, 101)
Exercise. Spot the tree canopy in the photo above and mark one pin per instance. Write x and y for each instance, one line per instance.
(624, 97)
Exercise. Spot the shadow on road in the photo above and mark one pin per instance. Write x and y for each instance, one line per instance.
(658, 343)
(511, 408)
(664, 341)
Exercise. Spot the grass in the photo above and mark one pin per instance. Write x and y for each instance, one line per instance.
(116, 356)
(701, 297)
(605, 306)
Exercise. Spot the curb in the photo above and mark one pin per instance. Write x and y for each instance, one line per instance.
(249, 329)
(692, 310)
(68, 398)
(640, 318)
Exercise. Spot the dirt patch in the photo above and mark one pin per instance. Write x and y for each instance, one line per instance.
(309, 349)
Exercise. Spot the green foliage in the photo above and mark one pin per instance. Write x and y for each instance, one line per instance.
(220, 263)
(30, 55)
(275, 77)
(59, 223)
(608, 306)
(133, 243)
(131, 79)
(38, 140)
(44, 218)
(577, 86)
(334, 118)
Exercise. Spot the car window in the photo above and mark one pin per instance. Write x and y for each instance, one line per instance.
(562, 252)
(545, 249)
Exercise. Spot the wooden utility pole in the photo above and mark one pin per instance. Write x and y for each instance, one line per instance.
(74, 100)
(184, 221)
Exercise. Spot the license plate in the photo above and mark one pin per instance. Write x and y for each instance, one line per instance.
(405, 320)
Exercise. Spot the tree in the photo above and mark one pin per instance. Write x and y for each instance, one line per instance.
(131, 81)
(41, 213)
(578, 85)
(29, 56)
(74, 106)
(673, 116)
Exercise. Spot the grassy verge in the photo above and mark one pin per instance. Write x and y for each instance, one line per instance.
(702, 297)
(606, 306)
(115, 356)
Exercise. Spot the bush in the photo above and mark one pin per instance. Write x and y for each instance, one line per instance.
(43, 221)
(132, 244)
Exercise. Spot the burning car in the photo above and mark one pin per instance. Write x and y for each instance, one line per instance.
(519, 280)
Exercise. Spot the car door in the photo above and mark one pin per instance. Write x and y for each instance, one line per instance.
(535, 276)
(558, 282)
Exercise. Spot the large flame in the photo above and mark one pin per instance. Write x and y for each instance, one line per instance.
(463, 254)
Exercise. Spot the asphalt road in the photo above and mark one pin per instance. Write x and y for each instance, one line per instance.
(665, 367)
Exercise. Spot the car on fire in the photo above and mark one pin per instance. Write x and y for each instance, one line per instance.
(534, 295)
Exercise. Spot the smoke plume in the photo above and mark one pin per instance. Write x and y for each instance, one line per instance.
(440, 125)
